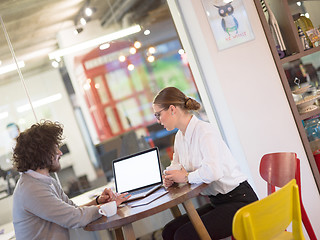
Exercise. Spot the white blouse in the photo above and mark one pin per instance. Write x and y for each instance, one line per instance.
(207, 158)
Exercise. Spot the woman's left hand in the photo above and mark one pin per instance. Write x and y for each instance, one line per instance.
(178, 176)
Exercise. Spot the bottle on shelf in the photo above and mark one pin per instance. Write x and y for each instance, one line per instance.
(304, 24)
(303, 39)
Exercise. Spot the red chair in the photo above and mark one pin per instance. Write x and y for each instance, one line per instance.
(277, 169)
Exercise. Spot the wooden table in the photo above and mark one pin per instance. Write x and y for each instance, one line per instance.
(127, 215)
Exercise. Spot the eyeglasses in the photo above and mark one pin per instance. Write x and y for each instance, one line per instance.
(158, 114)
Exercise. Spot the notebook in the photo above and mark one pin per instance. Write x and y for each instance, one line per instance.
(138, 174)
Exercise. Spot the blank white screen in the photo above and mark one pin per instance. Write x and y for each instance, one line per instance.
(137, 171)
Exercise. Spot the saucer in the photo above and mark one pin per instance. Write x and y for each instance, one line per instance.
(301, 90)
(307, 101)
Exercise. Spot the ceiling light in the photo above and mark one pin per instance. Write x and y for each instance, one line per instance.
(130, 67)
(181, 51)
(37, 53)
(151, 50)
(307, 15)
(122, 58)
(132, 50)
(137, 44)
(94, 42)
(11, 67)
(83, 21)
(104, 46)
(55, 64)
(151, 58)
(299, 4)
(86, 86)
(146, 32)
(40, 102)
(88, 11)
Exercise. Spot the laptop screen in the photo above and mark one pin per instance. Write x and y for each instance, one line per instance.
(137, 171)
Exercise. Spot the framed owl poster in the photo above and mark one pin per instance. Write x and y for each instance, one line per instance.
(228, 21)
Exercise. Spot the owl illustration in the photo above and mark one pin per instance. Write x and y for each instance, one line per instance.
(229, 23)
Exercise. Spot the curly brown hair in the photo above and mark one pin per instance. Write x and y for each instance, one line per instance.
(36, 146)
(173, 96)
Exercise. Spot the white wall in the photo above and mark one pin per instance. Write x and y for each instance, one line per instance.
(41, 86)
(245, 86)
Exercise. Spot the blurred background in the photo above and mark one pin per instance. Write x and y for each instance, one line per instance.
(94, 66)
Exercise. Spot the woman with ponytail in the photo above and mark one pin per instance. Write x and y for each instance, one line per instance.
(205, 158)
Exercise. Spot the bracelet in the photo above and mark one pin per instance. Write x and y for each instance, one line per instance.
(97, 199)
(186, 177)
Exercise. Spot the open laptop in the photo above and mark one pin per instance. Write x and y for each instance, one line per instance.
(138, 174)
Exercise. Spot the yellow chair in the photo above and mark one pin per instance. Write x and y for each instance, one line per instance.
(268, 218)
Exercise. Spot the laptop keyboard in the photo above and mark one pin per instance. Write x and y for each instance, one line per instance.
(140, 190)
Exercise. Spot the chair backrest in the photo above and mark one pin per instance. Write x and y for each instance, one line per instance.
(269, 217)
(277, 169)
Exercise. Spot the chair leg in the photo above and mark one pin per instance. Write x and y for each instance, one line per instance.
(307, 224)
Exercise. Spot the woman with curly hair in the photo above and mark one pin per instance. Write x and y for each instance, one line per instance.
(204, 158)
(41, 210)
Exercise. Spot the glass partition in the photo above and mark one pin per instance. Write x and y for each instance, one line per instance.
(104, 103)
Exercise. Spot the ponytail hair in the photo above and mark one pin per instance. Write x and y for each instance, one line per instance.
(173, 96)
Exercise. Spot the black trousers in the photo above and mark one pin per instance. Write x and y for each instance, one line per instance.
(216, 216)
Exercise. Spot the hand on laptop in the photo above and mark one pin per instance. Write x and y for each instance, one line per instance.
(120, 198)
(108, 196)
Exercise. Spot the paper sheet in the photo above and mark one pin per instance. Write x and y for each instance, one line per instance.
(150, 198)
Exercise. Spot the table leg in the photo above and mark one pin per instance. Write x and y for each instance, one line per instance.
(175, 211)
(196, 220)
(119, 234)
(128, 232)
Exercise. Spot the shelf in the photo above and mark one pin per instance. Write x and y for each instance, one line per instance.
(299, 55)
(310, 114)
(283, 15)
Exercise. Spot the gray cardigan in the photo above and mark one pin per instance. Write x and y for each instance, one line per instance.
(41, 210)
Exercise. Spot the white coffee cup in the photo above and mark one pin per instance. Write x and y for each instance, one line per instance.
(108, 209)
(176, 166)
